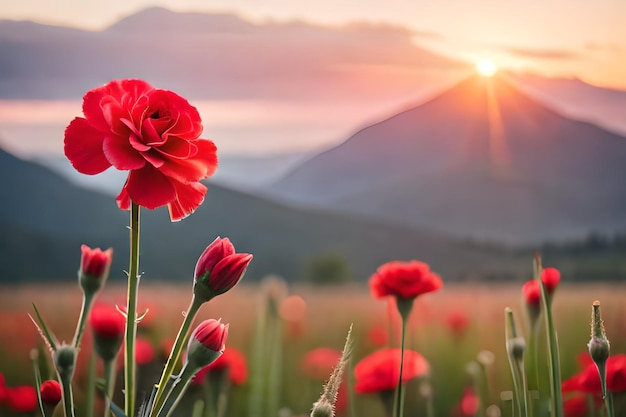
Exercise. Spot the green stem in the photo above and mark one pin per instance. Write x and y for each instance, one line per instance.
(131, 313)
(109, 384)
(404, 306)
(177, 391)
(179, 344)
(82, 320)
(608, 400)
(91, 386)
(209, 400)
(398, 405)
(350, 387)
(553, 357)
(68, 398)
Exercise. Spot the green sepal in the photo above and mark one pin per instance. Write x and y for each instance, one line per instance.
(46, 335)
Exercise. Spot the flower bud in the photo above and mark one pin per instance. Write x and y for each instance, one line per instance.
(108, 326)
(206, 344)
(219, 269)
(599, 347)
(65, 360)
(94, 268)
(50, 392)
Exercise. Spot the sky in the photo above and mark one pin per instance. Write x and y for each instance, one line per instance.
(565, 38)
(555, 38)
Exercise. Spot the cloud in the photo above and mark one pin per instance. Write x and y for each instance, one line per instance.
(220, 56)
(542, 53)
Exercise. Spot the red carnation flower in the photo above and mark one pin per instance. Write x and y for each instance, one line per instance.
(404, 280)
(380, 370)
(152, 133)
(22, 399)
(50, 392)
(589, 380)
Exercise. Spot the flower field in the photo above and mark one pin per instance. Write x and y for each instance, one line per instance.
(458, 330)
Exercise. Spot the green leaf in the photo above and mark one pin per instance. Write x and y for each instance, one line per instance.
(46, 335)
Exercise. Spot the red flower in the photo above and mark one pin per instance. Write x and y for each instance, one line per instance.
(468, 406)
(219, 268)
(144, 352)
(154, 134)
(50, 392)
(211, 334)
(589, 380)
(380, 370)
(404, 280)
(576, 406)
(22, 399)
(532, 293)
(318, 363)
(107, 322)
(231, 361)
(550, 278)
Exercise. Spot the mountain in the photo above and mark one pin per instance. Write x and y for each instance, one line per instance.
(45, 218)
(578, 99)
(482, 160)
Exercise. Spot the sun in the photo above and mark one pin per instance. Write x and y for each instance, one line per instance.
(486, 68)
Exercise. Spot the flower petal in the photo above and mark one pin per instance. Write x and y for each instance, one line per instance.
(123, 200)
(188, 199)
(83, 147)
(201, 166)
(149, 188)
(121, 154)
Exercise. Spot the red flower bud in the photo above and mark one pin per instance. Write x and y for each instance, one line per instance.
(207, 343)
(219, 269)
(550, 278)
(532, 293)
(231, 361)
(94, 268)
(50, 392)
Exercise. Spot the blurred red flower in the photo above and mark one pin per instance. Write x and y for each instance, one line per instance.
(318, 363)
(550, 278)
(588, 380)
(531, 293)
(144, 351)
(380, 370)
(458, 322)
(22, 399)
(404, 280)
(231, 361)
(154, 134)
(50, 392)
(107, 322)
(469, 404)
(576, 406)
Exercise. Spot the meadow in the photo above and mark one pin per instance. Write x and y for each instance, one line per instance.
(458, 329)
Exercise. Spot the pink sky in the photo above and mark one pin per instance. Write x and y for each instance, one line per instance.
(572, 38)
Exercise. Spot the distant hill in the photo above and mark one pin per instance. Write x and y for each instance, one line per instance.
(45, 218)
(482, 160)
